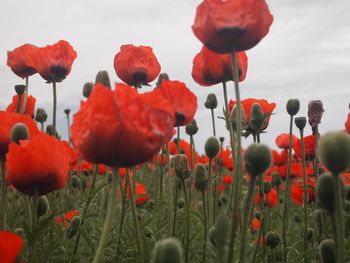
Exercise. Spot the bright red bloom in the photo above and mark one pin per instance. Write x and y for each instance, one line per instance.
(29, 106)
(136, 65)
(41, 163)
(309, 144)
(277, 159)
(227, 179)
(141, 195)
(121, 127)
(224, 25)
(67, 217)
(282, 140)
(53, 62)
(225, 159)
(203, 159)
(8, 120)
(182, 99)
(210, 68)
(297, 192)
(10, 246)
(255, 226)
(270, 199)
(347, 124)
(19, 60)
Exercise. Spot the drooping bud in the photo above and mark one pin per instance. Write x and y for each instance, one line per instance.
(293, 106)
(19, 131)
(20, 89)
(167, 250)
(327, 251)
(272, 239)
(300, 122)
(67, 111)
(257, 118)
(200, 178)
(74, 226)
(258, 159)
(181, 166)
(334, 149)
(325, 191)
(88, 86)
(40, 115)
(162, 77)
(192, 128)
(211, 102)
(43, 205)
(212, 147)
(315, 112)
(103, 78)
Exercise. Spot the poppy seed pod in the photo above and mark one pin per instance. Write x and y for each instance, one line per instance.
(200, 178)
(192, 128)
(272, 239)
(315, 112)
(258, 159)
(40, 115)
(221, 139)
(161, 77)
(181, 166)
(74, 226)
(325, 191)
(334, 149)
(102, 77)
(211, 102)
(257, 117)
(20, 89)
(43, 205)
(88, 86)
(327, 251)
(300, 122)
(167, 250)
(67, 111)
(19, 132)
(293, 106)
(212, 147)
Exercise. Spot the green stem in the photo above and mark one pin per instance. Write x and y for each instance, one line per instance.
(112, 203)
(54, 108)
(18, 103)
(178, 140)
(170, 191)
(262, 215)
(339, 219)
(187, 223)
(213, 121)
(210, 193)
(68, 125)
(3, 195)
(123, 213)
(24, 105)
(205, 228)
(175, 206)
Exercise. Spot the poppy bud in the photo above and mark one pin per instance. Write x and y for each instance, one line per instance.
(192, 128)
(212, 147)
(41, 115)
(75, 181)
(244, 124)
(200, 178)
(19, 132)
(221, 139)
(43, 205)
(180, 203)
(74, 226)
(86, 172)
(67, 111)
(181, 166)
(49, 130)
(88, 86)
(167, 250)
(73, 172)
(327, 251)
(276, 179)
(103, 78)
(257, 118)
(272, 239)
(315, 112)
(300, 122)
(20, 89)
(267, 187)
(218, 236)
(310, 233)
(257, 159)
(334, 149)
(293, 106)
(211, 102)
(162, 77)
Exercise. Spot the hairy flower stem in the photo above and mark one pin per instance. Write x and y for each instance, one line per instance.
(178, 140)
(338, 220)
(3, 195)
(287, 193)
(68, 125)
(262, 212)
(238, 161)
(170, 192)
(210, 193)
(54, 108)
(192, 162)
(175, 206)
(205, 227)
(112, 204)
(34, 223)
(246, 210)
(123, 213)
(188, 221)
(213, 121)
(24, 105)
(305, 197)
(18, 103)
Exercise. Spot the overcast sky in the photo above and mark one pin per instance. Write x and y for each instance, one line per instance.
(306, 54)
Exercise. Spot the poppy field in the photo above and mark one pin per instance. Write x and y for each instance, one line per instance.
(126, 186)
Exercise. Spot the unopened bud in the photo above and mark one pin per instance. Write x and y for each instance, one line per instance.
(310, 233)
(293, 106)
(49, 130)
(67, 111)
(74, 226)
(43, 205)
(244, 124)
(181, 166)
(212, 147)
(257, 118)
(180, 203)
(300, 122)
(334, 149)
(75, 181)
(211, 102)
(315, 112)
(40, 115)
(272, 239)
(103, 78)
(192, 128)
(257, 159)
(327, 251)
(325, 191)
(88, 86)
(20, 89)
(19, 132)
(200, 178)
(167, 250)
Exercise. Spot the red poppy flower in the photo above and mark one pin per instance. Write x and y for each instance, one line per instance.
(136, 65)
(29, 106)
(224, 25)
(227, 179)
(68, 217)
(10, 246)
(53, 62)
(225, 159)
(41, 163)
(8, 120)
(266, 107)
(282, 140)
(184, 102)
(309, 145)
(19, 60)
(141, 195)
(203, 159)
(121, 127)
(277, 160)
(210, 68)
(255, 226)
(297, 192)
(347, 124)
(270, 199)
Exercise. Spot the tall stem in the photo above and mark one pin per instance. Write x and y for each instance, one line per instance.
(123, 213)
(170, 191)
(338, 219)
(210, 193)
(3, 195)
(68, 125)
(24, 105)
(187, 223)
(178, 140)
(54, 108)
(205, 227)
(18, 103)
(112, 203)
(213, 121)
